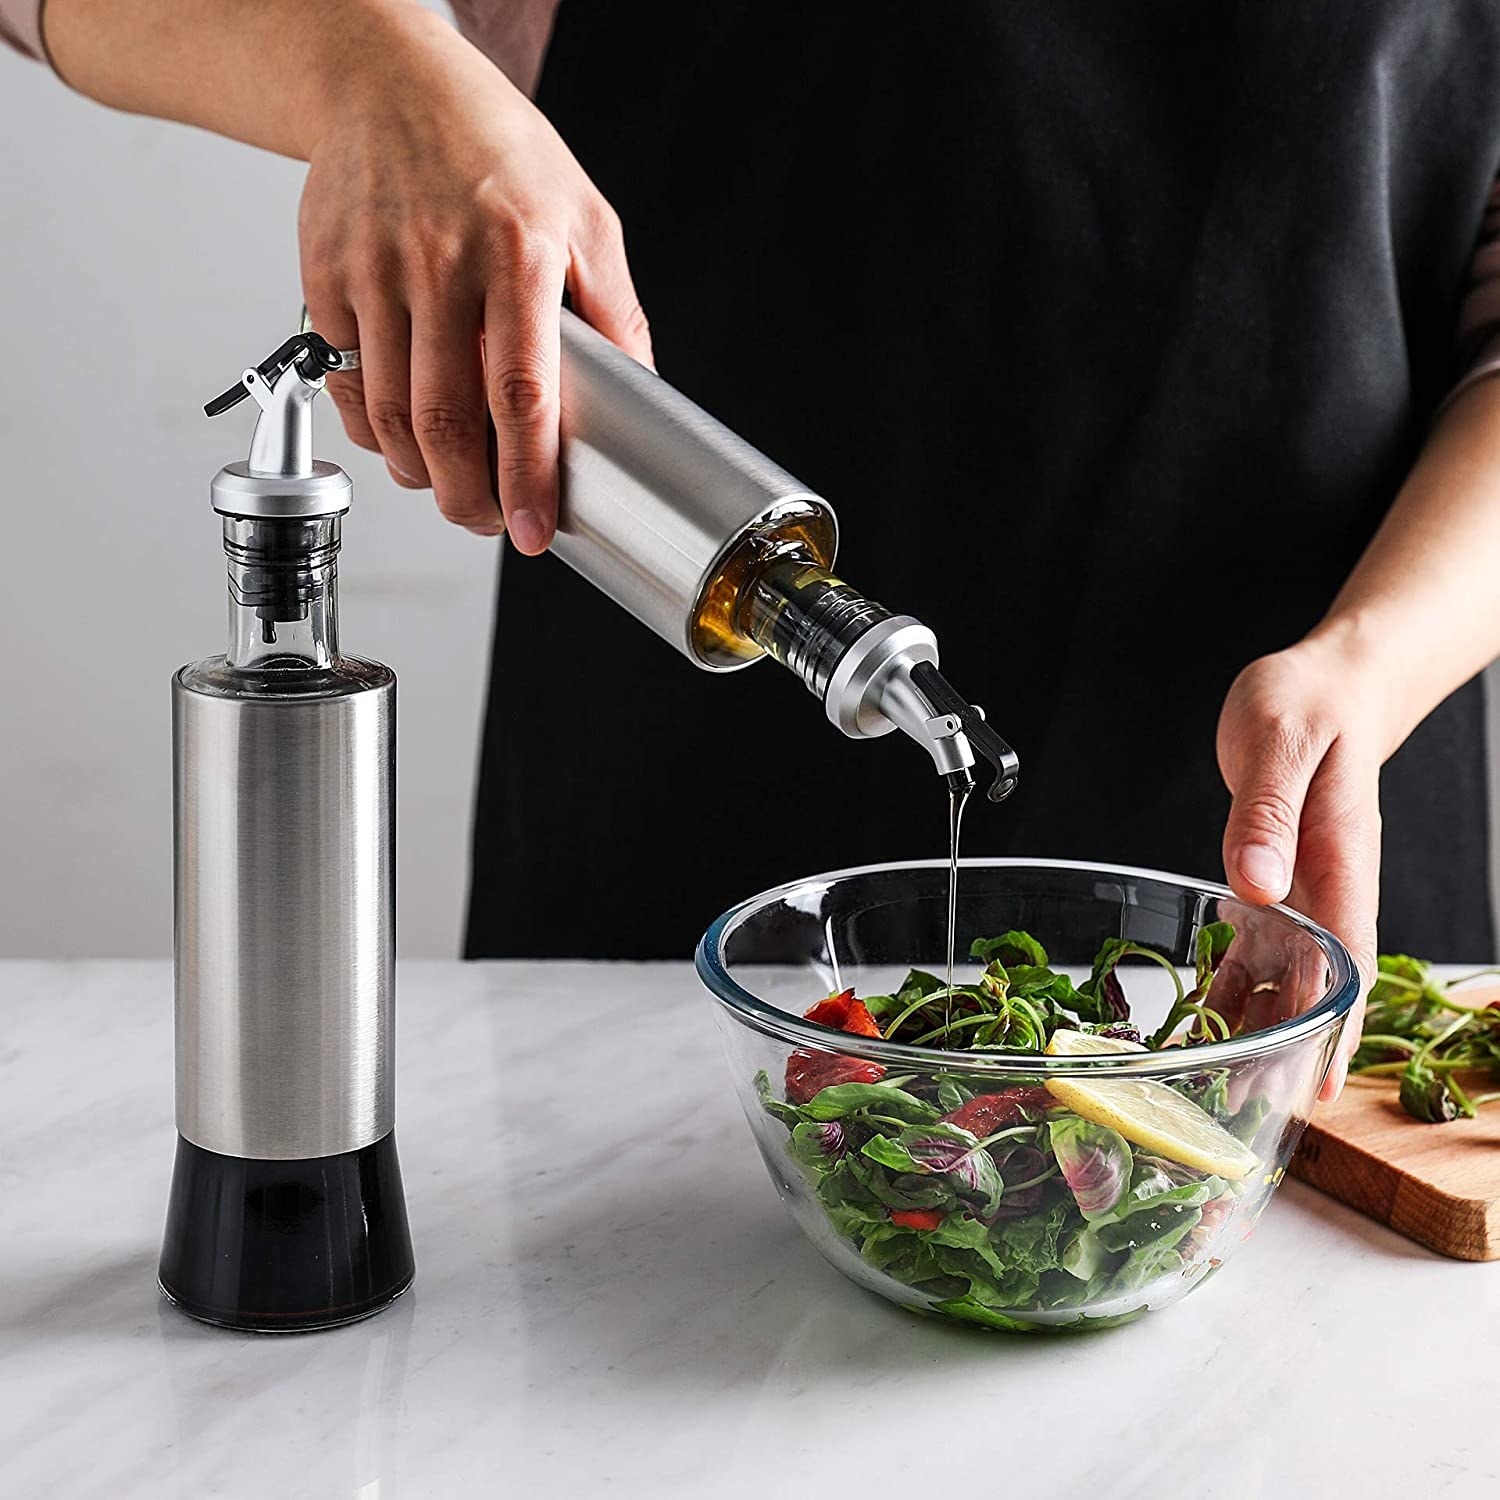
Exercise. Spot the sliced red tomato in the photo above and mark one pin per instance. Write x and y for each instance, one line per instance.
(842, 1012)
(917, 1218)
(833, 1011)
(808, 1073)
(859, 1021)
(984, 1114)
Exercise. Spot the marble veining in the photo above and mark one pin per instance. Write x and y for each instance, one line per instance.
(609, 1299)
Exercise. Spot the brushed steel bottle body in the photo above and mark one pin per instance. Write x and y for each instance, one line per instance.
(656, 494)
(284, 806)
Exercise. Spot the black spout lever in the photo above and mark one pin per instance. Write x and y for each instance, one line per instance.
(943, 699)
(313, 355)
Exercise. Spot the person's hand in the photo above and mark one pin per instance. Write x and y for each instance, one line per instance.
(441, 220)
(1301, 741)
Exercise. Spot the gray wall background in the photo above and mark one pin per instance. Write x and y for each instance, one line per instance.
(142, 266)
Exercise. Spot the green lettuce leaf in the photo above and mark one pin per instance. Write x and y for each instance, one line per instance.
(1084, 1257)
(1244, 1124)
(1149, 1263)
(788, 1114)
(1010, 950)
(1158, 1192)
(951, 1093)
(971, 1311)
(1211, 1094)
(891, 1154)
(840, 1100)
(918, 982)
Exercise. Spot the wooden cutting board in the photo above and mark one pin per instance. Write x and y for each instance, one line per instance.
(1437, 1184)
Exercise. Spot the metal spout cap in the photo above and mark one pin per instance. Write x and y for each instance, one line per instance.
(237, 491)
(281, 480)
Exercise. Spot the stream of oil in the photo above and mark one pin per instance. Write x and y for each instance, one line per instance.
(957, 798)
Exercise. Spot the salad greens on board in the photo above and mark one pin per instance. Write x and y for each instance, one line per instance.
(1420, 1031)
(1027, 1202)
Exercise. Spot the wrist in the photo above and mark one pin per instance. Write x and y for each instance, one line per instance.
(276, 74)
(1365, 666)
(362, 56)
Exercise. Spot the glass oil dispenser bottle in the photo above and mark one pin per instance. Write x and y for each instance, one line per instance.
(286, 1209)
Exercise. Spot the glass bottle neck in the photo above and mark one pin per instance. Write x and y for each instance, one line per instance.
(797, 531)
(796, 611)
(283, 593)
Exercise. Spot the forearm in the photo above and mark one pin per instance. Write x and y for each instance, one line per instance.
(268, 72)
(1420, 614)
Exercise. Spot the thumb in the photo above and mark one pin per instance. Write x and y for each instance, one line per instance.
(1268, 772)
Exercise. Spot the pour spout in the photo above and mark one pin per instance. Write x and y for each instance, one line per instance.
(950, 705)
(283, 385)
(960, 782)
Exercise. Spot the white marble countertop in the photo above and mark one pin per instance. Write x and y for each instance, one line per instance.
(610, 1300)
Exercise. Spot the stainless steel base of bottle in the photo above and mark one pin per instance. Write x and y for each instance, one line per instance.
(286, 1246)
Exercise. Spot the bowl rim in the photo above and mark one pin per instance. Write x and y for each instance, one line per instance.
(749, 1010)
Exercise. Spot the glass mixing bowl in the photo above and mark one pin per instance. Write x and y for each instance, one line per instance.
(1023, 1191)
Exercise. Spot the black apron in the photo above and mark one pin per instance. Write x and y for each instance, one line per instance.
(1111, 330)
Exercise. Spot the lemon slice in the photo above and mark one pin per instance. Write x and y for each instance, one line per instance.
(1147, 1113)
(1067, 1043)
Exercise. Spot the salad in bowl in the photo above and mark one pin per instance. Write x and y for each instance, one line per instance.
(1078, 1125)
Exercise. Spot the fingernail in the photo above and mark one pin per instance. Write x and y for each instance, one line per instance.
(399, 473)
(527, 531)
(1264, 868)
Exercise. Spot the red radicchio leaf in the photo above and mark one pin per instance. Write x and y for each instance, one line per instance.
(1016, 1205)
(1022, 1164)
(940, 1153)
(1095, 1162)
(959, 1157)
(1112, 1001)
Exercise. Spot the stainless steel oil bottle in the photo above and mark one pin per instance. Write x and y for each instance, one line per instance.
(286, 1209)
(726, 556)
